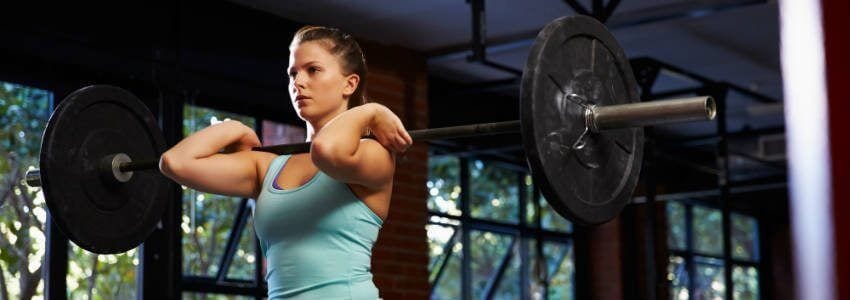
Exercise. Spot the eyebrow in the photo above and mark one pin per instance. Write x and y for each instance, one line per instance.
(312, 62)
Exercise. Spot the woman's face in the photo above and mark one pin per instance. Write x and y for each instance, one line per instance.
(317, 86)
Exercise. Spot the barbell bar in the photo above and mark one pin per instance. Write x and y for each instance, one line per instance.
(601, 118)
(579, 118)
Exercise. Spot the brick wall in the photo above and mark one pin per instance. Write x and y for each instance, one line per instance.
(398, 79)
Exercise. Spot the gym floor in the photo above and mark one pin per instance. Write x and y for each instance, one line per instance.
(749, 205)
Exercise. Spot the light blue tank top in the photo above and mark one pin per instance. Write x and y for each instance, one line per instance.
(317, 238)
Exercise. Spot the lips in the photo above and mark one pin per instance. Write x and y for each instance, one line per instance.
(299, 100)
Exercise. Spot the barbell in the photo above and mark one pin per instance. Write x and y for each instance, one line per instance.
(580, 122)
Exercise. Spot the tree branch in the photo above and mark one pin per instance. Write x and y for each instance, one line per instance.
(93, 275)
(29, 203)
(4, 292)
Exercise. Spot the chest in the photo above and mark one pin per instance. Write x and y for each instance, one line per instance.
(296, 171)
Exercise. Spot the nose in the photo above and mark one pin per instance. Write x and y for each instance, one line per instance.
(297, 81)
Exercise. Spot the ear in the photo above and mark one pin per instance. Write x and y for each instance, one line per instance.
(351, 83)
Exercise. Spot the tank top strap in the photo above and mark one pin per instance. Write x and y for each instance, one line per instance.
(274, 169)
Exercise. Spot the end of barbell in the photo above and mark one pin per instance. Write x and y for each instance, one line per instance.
(33, 178)
(710, 108)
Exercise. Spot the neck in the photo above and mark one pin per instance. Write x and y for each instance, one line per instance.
(314, 126)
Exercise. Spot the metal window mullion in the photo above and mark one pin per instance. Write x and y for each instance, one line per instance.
(496, 279)
(232, 240)
(466, 263)
(689, 248)
(447, 249)
(523, 251)
(538, 246)
(557, 268)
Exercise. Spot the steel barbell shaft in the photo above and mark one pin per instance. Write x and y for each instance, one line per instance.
(651, 113)
(598, 118)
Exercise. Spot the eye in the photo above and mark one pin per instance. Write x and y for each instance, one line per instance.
(312, 69)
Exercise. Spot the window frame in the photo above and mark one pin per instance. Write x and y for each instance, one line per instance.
(690, 255)
(521, 233)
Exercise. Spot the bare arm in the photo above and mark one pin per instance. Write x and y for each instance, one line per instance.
(339, 151)
(196, 162)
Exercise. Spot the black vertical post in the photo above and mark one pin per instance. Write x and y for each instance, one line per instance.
(649, 207)
(646, 75)
(55, 263)
(479, 30)
(259, 262)
(523, 249)
(581, 246)
(466, 261)
(719, 94)
(162, 252)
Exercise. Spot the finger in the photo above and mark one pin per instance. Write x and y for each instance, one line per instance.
(403, 143)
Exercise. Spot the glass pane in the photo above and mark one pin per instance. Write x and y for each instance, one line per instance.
(676, 221)
(275, 133)
(449, 284)
(444, 184)
(196, 118)
(494, 192)
(529, 202)
(509, 287)
(207, 218)
(106, 276)
(561, 270)
(708, 280)
(744, 237)
(677, 275)
(745, 281)
(488, 250)
(202, 296)
(551, 220)
(708, 230)
(23, 115)
(438, 238)
(244, 265)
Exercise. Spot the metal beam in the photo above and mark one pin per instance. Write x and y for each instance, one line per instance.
(668, 12)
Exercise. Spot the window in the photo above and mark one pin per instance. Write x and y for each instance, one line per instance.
(23, 115)
(696, 265)
(517, 244)
(208, 219)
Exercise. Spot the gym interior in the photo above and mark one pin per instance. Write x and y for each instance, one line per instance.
(746, 204)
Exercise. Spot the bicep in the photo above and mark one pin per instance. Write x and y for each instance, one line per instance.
(233, 174)
(371, 166)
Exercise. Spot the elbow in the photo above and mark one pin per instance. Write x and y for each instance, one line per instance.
(170, 165)
(325, 154)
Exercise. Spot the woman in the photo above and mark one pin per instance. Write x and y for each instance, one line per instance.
(318, 213)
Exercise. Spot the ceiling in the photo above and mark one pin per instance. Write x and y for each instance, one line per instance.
(734, 41)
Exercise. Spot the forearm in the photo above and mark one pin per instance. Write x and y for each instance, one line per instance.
(206, 142)
(340, 138)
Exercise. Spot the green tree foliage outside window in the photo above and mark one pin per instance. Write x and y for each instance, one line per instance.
(208, 218)
(444, 185)
(494, 192)
(23, 114)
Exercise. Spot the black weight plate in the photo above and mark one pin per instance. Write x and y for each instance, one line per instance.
(88, 125)
(577, 55)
